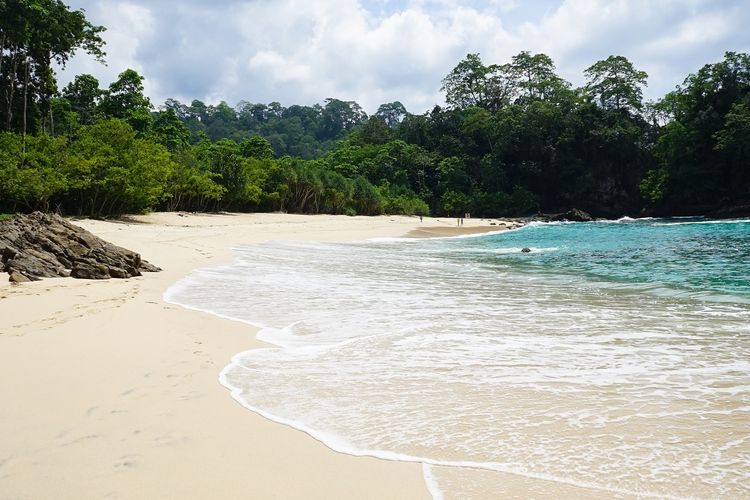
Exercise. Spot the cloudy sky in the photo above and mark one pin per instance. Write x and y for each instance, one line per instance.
(375, 51)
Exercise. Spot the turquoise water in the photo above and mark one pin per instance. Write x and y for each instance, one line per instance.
(611, 361)
(694, 257)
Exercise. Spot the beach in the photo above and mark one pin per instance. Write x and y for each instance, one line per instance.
(110, 392)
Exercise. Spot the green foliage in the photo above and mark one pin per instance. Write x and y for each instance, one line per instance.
(515, 138)
(455, 203)
(112, 171)
(652, 186)
(256, 147)
(615, 83)
(170, 131)
(34, 34)
(391, 113)
(124, 95)
(30, 177)
(83, 95)
(406, 205)
(703, 149)
(191, 186)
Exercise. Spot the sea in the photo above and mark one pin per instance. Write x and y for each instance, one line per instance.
(613, 358)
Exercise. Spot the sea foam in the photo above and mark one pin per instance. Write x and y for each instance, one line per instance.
(467, 360)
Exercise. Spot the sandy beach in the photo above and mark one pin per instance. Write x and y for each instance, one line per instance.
(109, 392)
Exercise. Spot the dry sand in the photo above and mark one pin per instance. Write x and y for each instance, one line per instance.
(109, 392)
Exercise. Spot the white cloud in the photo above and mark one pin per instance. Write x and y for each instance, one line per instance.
(374, 51)
(129, 25)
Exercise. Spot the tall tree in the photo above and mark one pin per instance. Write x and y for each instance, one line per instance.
(466, 84)
(33, 35)
(534, 76)
(391, 113)
(125, 100)
(83, 94)
(702, 151)
(340, 116)
(616, 84)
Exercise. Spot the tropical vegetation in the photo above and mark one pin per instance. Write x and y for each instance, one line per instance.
(512, 139)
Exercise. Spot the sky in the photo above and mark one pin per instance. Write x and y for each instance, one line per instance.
(378, 51)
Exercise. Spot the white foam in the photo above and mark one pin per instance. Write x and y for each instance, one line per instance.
(451, 363)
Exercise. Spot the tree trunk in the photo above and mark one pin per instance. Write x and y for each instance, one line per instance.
(11, 90)
(2, 53)
(25, 99)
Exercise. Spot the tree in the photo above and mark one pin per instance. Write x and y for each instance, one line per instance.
(256, 147)
(31, 174)
(391, 113)
(471, 83)
(702, 151)
(340, 116)
(167, 129)
(465, 85)
(191, 186)
(33, 34)
(616, 84)
(83, 94)
(534, 76)
(374, 131)
(112, 171)
(125, 100)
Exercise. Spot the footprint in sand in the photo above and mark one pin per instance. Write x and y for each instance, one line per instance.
(127, 461)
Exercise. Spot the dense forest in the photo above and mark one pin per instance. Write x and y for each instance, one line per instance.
(513, 139)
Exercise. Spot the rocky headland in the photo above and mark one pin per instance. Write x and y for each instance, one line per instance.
(41, 245)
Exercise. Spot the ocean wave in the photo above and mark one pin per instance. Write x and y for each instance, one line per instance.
(700, 222)
(342, 445)
(415, 352)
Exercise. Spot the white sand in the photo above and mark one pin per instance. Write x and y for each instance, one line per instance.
(108, 392)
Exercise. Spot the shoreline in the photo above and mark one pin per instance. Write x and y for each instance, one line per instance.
(119, 386)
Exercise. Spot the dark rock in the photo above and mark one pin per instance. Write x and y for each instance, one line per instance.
(573, 215)
(526, 250)
(149, 267)
(731, 211)
(43, 246)
(90, 271)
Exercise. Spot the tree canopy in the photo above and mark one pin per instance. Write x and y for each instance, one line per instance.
(514, 138)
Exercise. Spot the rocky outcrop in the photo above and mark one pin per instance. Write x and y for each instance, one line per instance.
(573, 215)
(44, 246)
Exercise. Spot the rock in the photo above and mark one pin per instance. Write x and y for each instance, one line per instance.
(43, 246)
(148, 267)
(572, 215)
(90, 271)
(526, 249)
(731, 211)
(16, 277)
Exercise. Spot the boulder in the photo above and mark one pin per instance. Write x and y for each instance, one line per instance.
(16, 277)
(526, 249)
(572, 215)
(44, 246)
